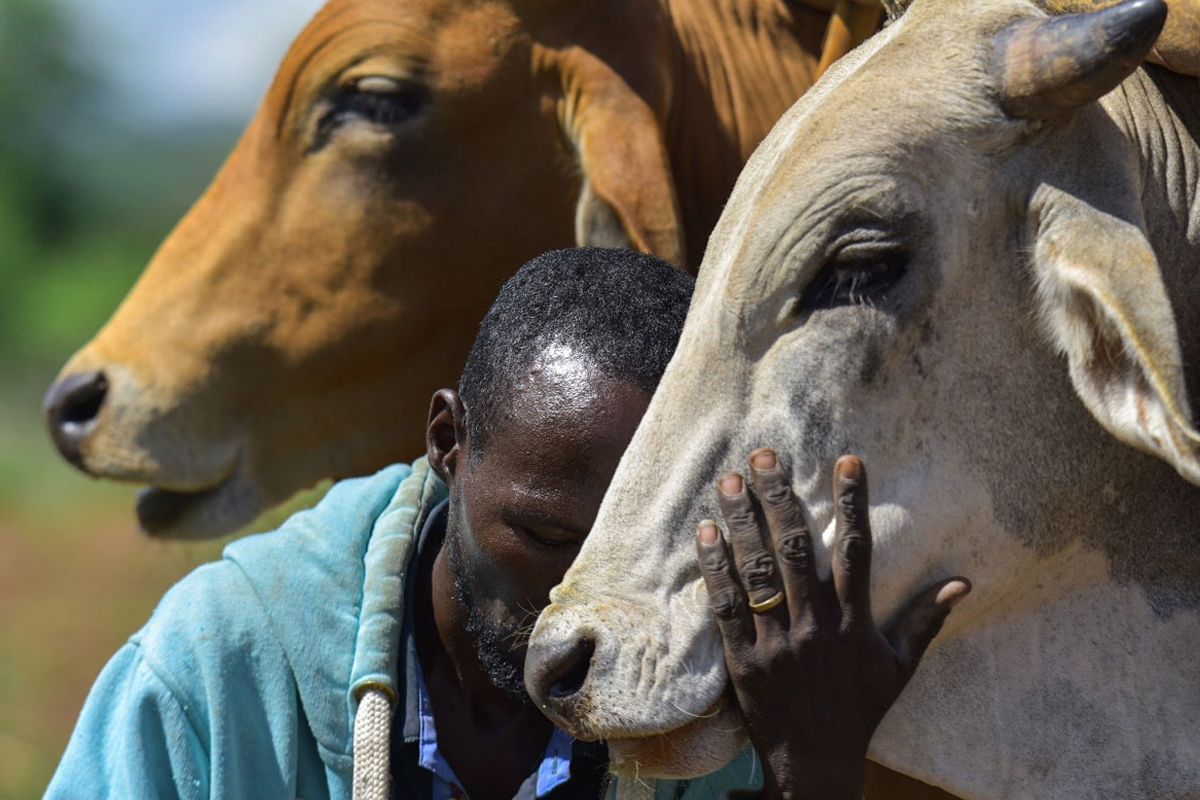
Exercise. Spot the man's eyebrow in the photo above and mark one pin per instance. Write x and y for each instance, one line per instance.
(517, 513)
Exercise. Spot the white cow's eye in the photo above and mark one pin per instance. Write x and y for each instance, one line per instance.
(857, 274)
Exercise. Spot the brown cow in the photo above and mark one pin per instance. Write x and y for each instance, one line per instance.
(407, 158)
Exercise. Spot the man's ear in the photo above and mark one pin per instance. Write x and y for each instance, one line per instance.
(628, 197)
(1103, 297)
(446, 433)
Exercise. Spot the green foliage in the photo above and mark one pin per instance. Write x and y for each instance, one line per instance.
(83, 200)
(83, 203)
(45, 90)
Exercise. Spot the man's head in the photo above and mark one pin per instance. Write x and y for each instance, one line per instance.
(556, 383)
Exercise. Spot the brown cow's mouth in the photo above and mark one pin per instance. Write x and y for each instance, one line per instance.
(198, 513)
(159, 511)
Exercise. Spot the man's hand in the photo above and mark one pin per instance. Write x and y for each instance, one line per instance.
(812, 674)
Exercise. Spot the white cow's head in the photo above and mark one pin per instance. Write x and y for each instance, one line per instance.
(900, 272)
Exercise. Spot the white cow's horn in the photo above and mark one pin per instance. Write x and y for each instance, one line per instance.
(1050, 66)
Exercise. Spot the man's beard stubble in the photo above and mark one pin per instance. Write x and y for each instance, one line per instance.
(494, 641)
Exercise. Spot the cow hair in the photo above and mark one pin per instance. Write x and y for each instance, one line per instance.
(620, 309)
(894, 9)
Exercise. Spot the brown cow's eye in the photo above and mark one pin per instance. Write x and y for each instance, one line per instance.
(383, 101)
(859, 274)
(375, 99)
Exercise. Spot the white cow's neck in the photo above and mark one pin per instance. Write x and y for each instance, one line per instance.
(1159, 112)
(1090, 694)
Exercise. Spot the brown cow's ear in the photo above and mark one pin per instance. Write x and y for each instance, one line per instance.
(1103, 297)
(628, 196)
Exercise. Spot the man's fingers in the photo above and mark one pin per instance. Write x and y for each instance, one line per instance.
(753, 558)
(852, 540)
(916, 626)
(789, 533)
(725, 594)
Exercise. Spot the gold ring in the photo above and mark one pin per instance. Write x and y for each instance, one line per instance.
(766, 605)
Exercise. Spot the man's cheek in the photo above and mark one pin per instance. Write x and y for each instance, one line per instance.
(536, 579)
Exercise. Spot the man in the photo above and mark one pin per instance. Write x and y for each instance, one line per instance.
(375, 644)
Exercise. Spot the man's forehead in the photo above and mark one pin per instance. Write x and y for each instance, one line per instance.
(562, 367)
(565, 384)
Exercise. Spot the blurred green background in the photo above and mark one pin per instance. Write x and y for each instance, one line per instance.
(114, 114)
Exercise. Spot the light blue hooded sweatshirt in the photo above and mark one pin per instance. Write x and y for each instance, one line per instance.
(245, 682)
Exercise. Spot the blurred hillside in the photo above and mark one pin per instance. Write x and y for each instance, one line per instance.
(90, 183)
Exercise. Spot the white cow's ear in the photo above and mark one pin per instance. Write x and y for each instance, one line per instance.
(628, 196)
(1102, 295)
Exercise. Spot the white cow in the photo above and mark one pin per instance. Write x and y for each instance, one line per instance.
(950, 259)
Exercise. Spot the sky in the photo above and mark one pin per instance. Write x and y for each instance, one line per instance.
(175, 61)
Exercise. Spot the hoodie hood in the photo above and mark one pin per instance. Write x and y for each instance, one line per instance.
(351, 555)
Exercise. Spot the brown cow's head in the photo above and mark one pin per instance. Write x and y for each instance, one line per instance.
(408, 157)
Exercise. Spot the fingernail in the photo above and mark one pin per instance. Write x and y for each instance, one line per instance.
(763, 459)
(850, 468)
(707, 531)
(953, 593)
(730, 485)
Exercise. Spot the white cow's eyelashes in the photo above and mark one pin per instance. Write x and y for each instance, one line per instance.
(861, 273)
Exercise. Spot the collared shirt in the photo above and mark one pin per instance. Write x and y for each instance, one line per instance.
(569, 769)
(554, 770)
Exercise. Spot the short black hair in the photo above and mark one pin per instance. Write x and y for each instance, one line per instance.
(622, 309)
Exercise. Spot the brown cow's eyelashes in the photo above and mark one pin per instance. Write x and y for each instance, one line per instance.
(384, 108)
(375, 99)
(858, 274)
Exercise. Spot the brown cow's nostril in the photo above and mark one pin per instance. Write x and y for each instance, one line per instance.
(71, 407)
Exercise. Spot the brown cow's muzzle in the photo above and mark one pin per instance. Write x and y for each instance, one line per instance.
(105, 424)
(72, 404)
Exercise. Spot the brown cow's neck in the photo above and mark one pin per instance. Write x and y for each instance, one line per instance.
(740, 65)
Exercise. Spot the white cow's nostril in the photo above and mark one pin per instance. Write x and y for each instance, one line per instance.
(556, 672)
(572, 672)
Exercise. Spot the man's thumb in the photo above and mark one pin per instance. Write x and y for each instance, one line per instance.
(914, 628)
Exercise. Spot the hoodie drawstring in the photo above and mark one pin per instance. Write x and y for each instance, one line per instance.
(372, 746)
(373, 749)
(635, 788)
